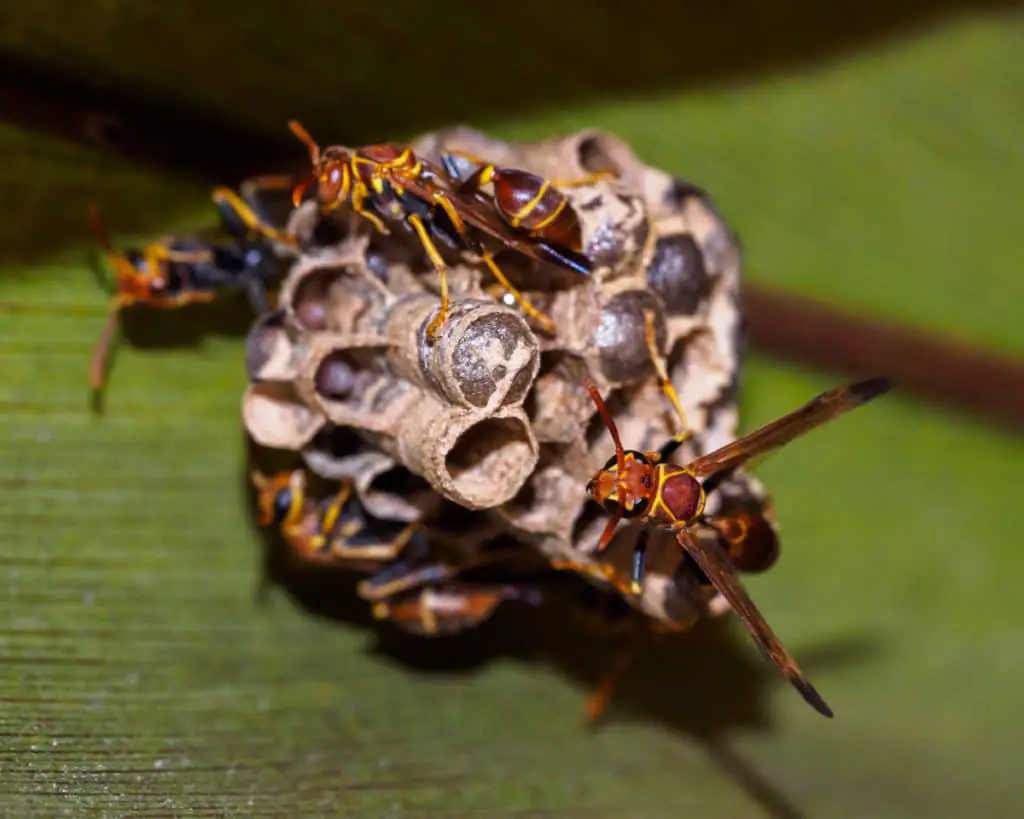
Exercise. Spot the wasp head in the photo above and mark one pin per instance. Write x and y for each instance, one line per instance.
(332, 172)
(281, 497)
(630, 488)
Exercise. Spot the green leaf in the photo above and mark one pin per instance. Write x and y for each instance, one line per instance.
(140, 676)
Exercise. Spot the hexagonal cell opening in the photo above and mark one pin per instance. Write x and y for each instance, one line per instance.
(267, 342)
(491, 460)
(594, 156)
(275, 416)
(333, 299)
(345, 374)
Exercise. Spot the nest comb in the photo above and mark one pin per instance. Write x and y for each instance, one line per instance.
(493, 417)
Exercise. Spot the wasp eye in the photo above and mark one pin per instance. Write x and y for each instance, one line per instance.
(282, 505)
(334, 177)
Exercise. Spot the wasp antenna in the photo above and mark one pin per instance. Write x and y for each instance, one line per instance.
(314, 150)
(122, 266)
(620, 459)
(98, 229)
(606, 417)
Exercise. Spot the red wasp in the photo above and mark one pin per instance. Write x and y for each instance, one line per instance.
(331, 530)
(389, 182)
(645, 487)
(532, 205)
(449, 608)
(404, 585)
(176, 271)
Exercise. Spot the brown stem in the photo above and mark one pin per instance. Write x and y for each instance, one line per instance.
(919, 362)
(779, 322)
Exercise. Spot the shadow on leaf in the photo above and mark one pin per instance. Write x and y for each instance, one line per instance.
(704, 684)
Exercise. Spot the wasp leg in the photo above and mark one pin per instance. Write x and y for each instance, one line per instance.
(476, 180)
(685, 433)
(488, 259)
(600, 571)
(359, 197)
(581, 181)
(104, 345)
(239, 218)
(400, 576)
(639, 562)
(392, 581)
(458, 224)
(543, 320)
(622, 658)
(629, 642)
(377, 551)
(448, 609)
(252, 189)
(158, 253)
(181, 299)
(416, 221)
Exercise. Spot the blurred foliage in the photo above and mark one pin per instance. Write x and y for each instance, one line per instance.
(141, 677)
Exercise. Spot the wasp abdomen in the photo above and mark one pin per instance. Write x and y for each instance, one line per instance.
(753, 544)
(531, 203)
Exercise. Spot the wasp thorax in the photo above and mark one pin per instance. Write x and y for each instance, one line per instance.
(682, 494)
(385, 154)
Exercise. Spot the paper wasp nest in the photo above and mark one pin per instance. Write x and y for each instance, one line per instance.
(493, 416)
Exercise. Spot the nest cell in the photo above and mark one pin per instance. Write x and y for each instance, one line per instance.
(270, 352)
(478, 459)
(620, 338)
(485, 355)
(342, 376)
(275, 416)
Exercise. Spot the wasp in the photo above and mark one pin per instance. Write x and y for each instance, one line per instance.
(648, 488)
(333, 530)
(531, 205)
(176, 271)
(448, 609)
(405, 585)
(389, 182)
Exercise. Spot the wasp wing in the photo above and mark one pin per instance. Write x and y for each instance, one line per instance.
(826, 407)
(715, 565)
(477, 212)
